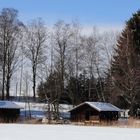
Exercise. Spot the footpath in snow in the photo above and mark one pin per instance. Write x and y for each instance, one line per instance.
(65, 132)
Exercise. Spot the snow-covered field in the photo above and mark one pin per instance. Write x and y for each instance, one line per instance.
(65, 132)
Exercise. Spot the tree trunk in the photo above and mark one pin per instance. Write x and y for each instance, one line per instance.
(3, 82)
(3, 79)
(49, 112)
(34, 83)
(4, 66)
(8, 88)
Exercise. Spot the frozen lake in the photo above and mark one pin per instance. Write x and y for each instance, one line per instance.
(65, 132)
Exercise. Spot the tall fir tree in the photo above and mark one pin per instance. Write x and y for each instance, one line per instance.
(125, 67)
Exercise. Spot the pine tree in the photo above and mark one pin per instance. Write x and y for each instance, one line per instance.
(125, 67)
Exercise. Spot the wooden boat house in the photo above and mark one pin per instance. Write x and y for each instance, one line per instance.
(94, 111)
(9, 111)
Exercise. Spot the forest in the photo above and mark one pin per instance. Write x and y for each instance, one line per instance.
(62, 64)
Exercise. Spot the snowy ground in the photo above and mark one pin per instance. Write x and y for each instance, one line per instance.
(38, 110)
(65, 132)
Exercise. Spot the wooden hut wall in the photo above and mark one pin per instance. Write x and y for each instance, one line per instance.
(109, 115)
(9, 115)
(83, 113)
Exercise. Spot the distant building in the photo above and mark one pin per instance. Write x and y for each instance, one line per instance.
(124, 113)
(9, 111)
(91, 111)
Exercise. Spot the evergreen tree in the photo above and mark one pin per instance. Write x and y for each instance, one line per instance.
(125, 67)
(49, 89)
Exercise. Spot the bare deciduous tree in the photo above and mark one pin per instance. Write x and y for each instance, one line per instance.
(92, 60)
(62, 36)
(10, 28)
(34, 47)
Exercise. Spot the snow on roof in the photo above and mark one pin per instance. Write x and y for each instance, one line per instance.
(9, 105)
(99, 106)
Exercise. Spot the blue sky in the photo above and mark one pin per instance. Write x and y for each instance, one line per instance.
(88, 12)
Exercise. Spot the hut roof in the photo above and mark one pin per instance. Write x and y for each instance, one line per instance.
(99, 106)
(9, 105)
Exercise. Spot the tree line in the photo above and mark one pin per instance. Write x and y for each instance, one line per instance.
(68, 66)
